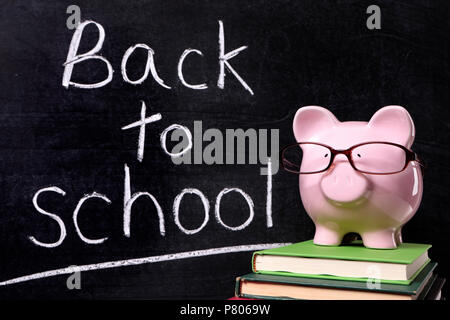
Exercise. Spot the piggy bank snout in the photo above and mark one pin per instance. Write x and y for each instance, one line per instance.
(344, 184)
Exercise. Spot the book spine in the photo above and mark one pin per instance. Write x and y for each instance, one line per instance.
(237, 287)
(254, 262)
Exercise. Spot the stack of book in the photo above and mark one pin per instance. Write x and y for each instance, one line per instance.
(308, 271)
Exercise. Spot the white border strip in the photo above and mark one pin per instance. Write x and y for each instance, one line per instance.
(145, 260)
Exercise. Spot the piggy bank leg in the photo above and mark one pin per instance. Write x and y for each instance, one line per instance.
(382, 239)
(327, 237)
(398, 236)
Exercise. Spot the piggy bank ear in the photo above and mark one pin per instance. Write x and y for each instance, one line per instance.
(311, 120)
(396, 122)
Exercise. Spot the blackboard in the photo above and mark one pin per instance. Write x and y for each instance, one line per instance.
(297, 53)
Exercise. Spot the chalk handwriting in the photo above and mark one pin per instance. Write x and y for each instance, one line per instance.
(73, 58)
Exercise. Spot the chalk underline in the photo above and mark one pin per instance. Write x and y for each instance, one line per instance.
(144, 260)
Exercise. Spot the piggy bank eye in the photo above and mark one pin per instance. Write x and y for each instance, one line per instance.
(326, 155)
(358, 155)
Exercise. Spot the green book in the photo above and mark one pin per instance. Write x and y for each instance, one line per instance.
(346, 262)
(262, 286)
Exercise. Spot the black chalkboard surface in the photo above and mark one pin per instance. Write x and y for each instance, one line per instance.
(69, 142)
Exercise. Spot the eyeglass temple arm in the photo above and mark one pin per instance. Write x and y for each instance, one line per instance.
(419, 161)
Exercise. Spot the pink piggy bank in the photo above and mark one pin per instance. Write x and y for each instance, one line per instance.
(356, 177)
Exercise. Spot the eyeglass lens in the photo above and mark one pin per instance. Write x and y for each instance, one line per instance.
(371, 157)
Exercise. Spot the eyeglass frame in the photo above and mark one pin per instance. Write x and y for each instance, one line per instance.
(410, 156)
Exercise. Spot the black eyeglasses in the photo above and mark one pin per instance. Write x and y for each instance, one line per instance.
(369, 157)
